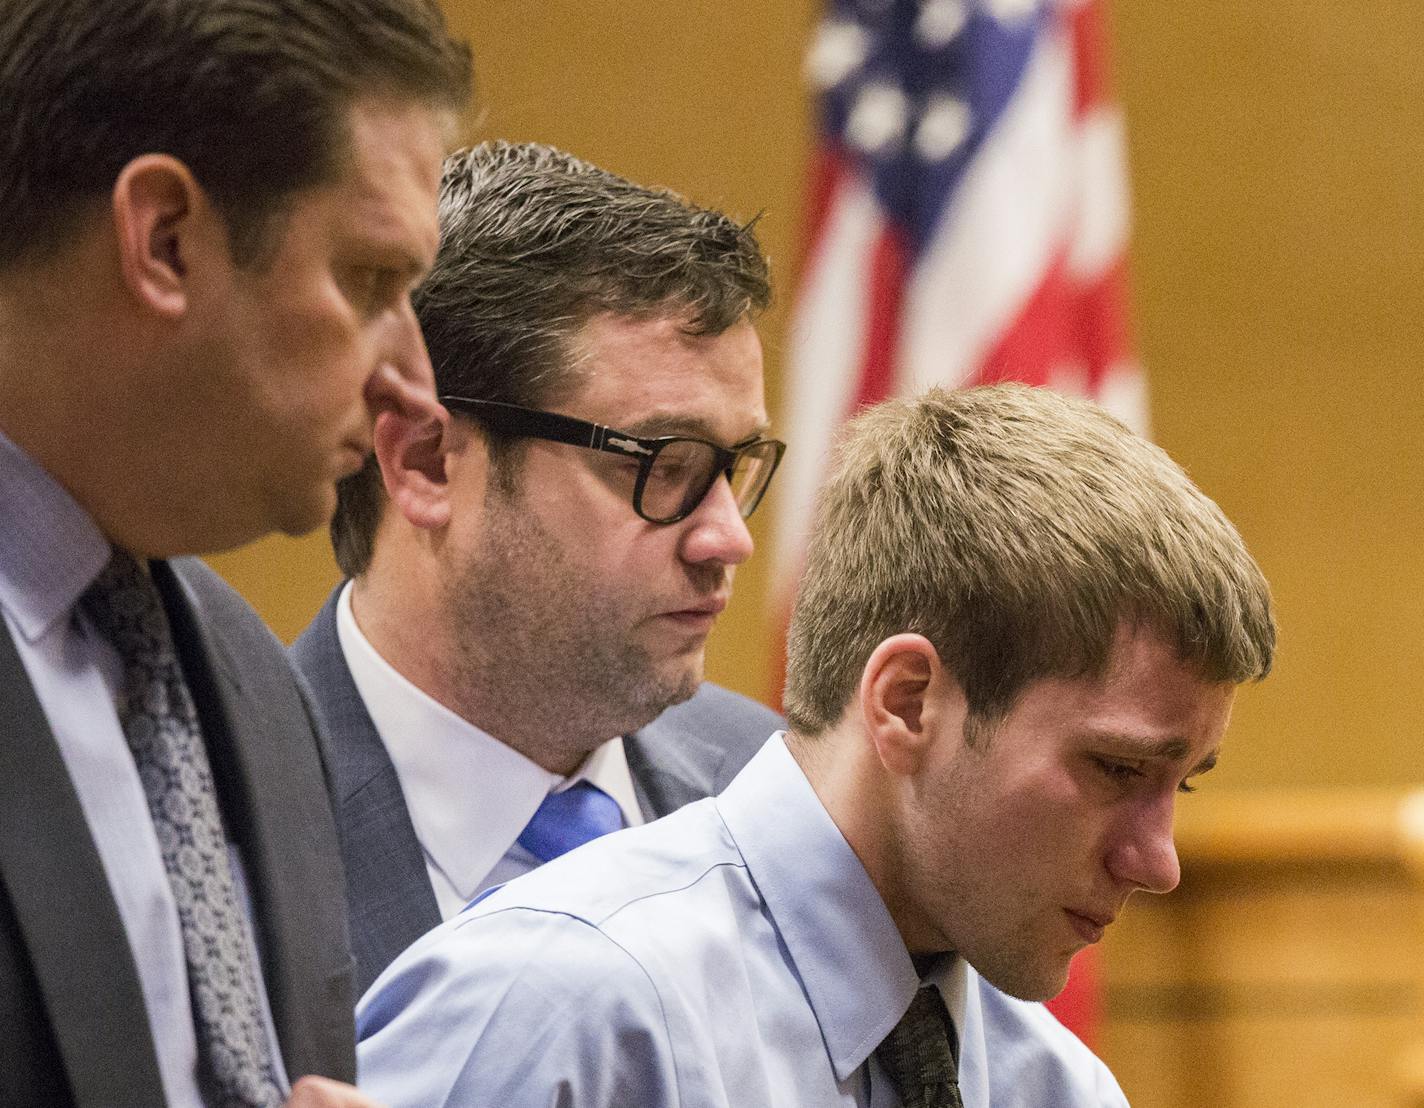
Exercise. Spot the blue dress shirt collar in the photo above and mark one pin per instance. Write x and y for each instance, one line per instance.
(50, 548)
(823, 903)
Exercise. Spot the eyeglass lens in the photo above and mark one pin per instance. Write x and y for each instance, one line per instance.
(685, 470)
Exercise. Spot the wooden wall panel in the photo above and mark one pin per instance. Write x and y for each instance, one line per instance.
(1286, 969)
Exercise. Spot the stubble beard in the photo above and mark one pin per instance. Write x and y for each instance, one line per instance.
(543, 644)
(963, 900)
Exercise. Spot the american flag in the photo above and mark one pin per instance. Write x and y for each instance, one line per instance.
(968, 223)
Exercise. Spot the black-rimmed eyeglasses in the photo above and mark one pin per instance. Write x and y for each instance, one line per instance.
(674, 473)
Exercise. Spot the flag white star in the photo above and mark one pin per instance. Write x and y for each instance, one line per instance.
(1012, 11)
(943, 127)
(839, 49)
(878, 119)
(939, 21)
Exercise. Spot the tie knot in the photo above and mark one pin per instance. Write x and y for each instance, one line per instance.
(570, 818)
(124, 605)
(920, 1054)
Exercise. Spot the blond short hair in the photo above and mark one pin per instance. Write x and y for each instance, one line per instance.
(1016, 529)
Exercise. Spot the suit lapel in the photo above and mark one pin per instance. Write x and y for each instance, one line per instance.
(259, 743)
(391, 902)
(65, 913)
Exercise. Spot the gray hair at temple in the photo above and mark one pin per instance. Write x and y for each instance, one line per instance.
(1016, 529)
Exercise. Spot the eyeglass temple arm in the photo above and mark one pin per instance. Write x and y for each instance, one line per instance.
(550, 426)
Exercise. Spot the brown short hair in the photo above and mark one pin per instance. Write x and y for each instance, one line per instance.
(252, 95)
(1016, 529)
(534, 243)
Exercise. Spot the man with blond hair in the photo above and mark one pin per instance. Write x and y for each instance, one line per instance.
(1017, 640)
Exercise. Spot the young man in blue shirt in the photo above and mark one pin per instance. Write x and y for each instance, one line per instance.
(1017, 640)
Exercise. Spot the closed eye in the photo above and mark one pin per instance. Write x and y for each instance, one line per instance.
(373, 289)
(1118, 772)
(1124, 773)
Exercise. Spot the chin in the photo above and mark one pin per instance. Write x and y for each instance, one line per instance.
(301, 516)
(1024, 981)
(673, 685)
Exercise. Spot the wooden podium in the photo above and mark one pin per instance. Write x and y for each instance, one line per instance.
(1288, 967)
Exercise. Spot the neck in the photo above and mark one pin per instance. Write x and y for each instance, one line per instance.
(76, 395)
(56, 339)
(861, 798)
(840, 767)
(405, 622)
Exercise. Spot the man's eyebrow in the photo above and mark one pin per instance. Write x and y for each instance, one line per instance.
(657, 426)
(411, 268)
(391, 254)
(1169, 750)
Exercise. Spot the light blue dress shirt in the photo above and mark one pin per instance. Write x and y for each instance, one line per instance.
(732, 955)
(50, 552)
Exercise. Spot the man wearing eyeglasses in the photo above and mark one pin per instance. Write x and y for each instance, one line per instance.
(531, 587)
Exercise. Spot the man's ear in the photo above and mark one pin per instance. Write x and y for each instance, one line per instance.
(905, 697)
(156, 204)
(415, 454)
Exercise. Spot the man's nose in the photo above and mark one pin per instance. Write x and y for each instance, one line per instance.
(1143, 853)
(716, 531)
(403, 380)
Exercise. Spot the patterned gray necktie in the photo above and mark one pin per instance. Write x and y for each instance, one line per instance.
(161, 726)
(921, 1054)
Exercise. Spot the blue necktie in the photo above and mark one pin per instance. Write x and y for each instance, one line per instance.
(570, 818)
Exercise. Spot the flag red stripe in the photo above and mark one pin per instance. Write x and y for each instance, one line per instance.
(1043, 335)
(888, 269)
(1063, 322)
(1089, 31)
(828, 176)
(1103, 329)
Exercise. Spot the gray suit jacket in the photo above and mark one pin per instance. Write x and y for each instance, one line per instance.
(691, 751)
(73, 1028)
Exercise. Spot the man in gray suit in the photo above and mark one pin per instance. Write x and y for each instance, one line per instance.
(211, 216)
(532, 586)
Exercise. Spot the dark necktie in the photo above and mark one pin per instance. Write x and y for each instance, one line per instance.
(921, 1055)
(161, 726)
(568, 819)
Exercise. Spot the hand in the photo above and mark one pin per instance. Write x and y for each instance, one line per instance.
(322, 1092)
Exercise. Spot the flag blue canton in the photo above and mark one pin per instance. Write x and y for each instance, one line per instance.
(913, 88)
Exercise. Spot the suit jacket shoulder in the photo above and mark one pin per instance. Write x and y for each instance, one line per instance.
(389, 900)
(695, 748)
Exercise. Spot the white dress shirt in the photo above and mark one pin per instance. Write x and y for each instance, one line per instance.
(50, 552)
(469, 795)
